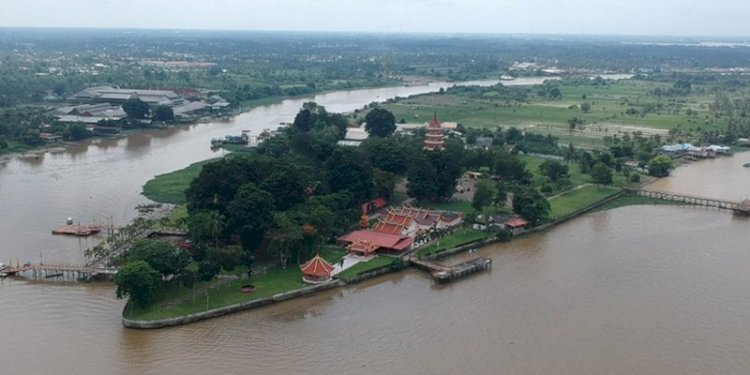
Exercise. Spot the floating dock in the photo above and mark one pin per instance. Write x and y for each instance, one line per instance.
(443, 274)
(78, 230)
(463, 269)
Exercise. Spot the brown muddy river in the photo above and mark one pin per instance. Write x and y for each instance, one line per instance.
(636, 290)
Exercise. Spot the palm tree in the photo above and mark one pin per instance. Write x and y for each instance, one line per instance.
(216, 224)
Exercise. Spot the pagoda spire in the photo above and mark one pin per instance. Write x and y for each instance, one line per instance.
(434, 138)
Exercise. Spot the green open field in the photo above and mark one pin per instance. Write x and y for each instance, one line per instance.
(574, 200)
(173, 302)
(607, 116)
(170, 187)
(460, 237)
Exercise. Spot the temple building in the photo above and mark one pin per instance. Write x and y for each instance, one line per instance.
(316, 271)
(433, 140)
(362, 248)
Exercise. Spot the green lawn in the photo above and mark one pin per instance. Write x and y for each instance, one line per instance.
(461, 237)
(574, 171)
(360, 268)
(332, 253)
(170, 187)
(575, 200)
(182, 301)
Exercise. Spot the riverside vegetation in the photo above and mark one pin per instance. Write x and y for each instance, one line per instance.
(255, 216)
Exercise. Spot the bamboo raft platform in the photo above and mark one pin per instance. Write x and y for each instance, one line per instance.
(443, 274)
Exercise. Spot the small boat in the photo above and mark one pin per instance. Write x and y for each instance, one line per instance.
(747, 165)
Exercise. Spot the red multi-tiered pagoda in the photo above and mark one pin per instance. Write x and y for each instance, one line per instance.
(434, 138)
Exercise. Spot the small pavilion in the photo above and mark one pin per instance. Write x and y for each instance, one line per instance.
(316, 271)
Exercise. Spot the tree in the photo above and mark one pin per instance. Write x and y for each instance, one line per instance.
(380, 122)
(138, 280)
(284, 233)
(421, 176)
(161, 255)
(553, 169)
(530, 204)
(601, 174)
(76, 132)
(249, 214)
(348, 169)
(136, 108)
(206, 226)
(511, 168)
(385, 182)
(163, 113)
(660, 166)
(585, 107)
(484, 193)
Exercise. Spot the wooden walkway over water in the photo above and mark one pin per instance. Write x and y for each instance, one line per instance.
(40, 271)
(694, 200)
(443, 273)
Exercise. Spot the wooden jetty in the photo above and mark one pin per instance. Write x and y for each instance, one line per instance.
(441, 273)
(78, 230)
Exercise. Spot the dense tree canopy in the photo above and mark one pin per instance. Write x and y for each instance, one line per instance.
(139, 281)
(161, 255)
(530, 204)
(380, 122)
(136, 108)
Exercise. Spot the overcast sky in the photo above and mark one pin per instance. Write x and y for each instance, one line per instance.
(630, 17)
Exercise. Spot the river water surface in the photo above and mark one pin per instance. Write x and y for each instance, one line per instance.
(642, 289)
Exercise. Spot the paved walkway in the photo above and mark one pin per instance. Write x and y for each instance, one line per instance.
(349, 261)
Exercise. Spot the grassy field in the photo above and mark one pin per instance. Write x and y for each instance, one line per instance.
(210, 295)
(360, 268)
(574, 171)
(458, 238)
(608, 114)
(170, 187)
(577, 199)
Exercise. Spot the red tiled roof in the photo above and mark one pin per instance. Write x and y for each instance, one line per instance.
(388, 228)
(516, 222)
(363, 246)
(317, 266)
(379, 202)
(382, 240)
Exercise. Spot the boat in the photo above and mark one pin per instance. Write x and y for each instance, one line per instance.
(747, 165)
(3, 266)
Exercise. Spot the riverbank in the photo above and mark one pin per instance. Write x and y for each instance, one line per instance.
(281, 285)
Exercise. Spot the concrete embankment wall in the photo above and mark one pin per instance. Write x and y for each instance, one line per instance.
(545, 226)
(213, 313)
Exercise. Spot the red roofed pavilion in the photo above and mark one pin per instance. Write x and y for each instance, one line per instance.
(433, 140)
(317, 270)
